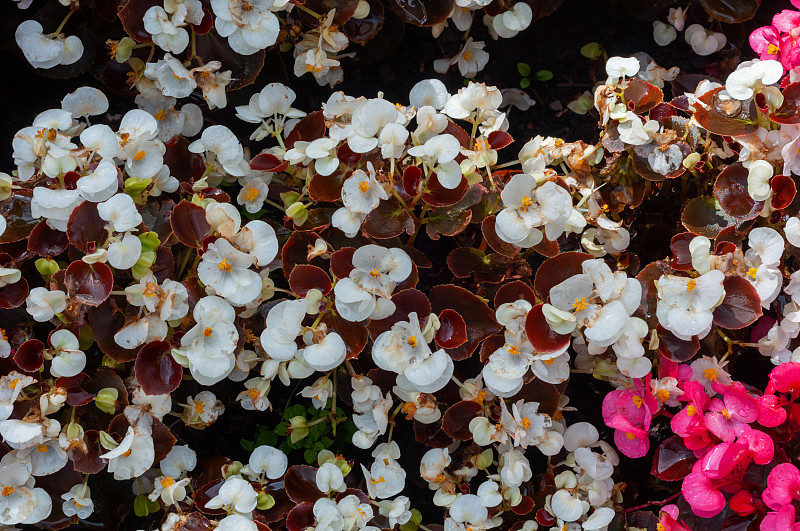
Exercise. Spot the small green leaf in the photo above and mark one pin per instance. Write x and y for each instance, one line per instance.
(543, 75)
(310, 456)
(141, 506)
(524, 69)
(592, 50)
(524, 83)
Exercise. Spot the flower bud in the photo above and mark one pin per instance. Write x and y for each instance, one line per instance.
(264, 501)
(47, 267)
(74, 430)
(289, 198)
(691, 160)
(297, 429)
(231, 469)
(513, 496)
(123, 49)
(313, 298)
(5, 186)
(592, 50)
(484, 459)
(137, 189)
(106, 400)
(298, 213)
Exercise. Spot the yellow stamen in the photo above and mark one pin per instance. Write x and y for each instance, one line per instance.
(725, 413)
(253, 394)
(691, 410)
(710, 374)
(251, 195)
(412, 341)
(526, 423)
(630, 435)
(42, 448)
(375, 273)
(13, 383)
(440, 478)
(772, 49)
(76, 504)
(127, 452)
(513, 350)
(637, 401)
(467, 56)
(207, 331)
(549, 362)
(526, 203)
(150, 290)
(752, 272)
(363, 186)
(139, 156)
(376, 481)
(663, 395)
(691, 285)
(159, 115)
(224, 265)
(166, 481)
(8, 491)
(580, 304)
(199, 406)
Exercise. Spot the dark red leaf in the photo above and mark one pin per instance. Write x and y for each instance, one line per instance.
(355, 335)
(405, 302)
(156, 370)
(19, 221)
(204, 494)
(494, 241)
(676, 349)
(731, 11)
(363, 30)
(29, 356)
(295, 250)
(189, 223)
(479, 318)
(681, 257)
(437, 195)
(106, 322)
(301, 484)
(206, 25)
(455, 421)
(514, 291)
(14, 295)
(789, 111)
(89, 284)
(326, 187)
(268, 162)
(431, 435)
(183, 164)
(672, 461)
(304, 278)
(543, 338)
(311, 127)
(783, 191)
(301, 517)
(701, 216)
(342, 262)
(740, 307)
(499, 139)
(244, 68)
(132, 17)
(85, 226)
(86, 456)
(412, 179)
(423, 12)
(726, 116)
(76, 395)
(453, 330)
(643, 95)
(556, 270)
(45, 241)
(730, 190)
(388, 220)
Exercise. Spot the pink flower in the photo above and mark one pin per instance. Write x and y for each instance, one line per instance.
(706, 501)
(785, 378)
(668, 519)
(780, 40)
(770, 412)
(629, 413)
(780, 520)
(783, 486)
(759, 445)
(765, 41)
(688, 422)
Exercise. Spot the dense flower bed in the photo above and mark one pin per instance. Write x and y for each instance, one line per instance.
(399, 292)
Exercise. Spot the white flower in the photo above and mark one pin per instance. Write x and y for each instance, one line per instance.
(274, 101)
(171, 77)
(430, 92)
(84, 102)
(227, 271)
(514, 468)
(236, 522)
(330, 478)
(180, 459)
(221, 141)
(600, 518)
(398, 510)
(209, 345)
(361, 192)
(386, 477)
(100, 139)
(249, 25)
(750, 77)
(235, 494)
(511, 22)
(703, 41)
(347, 221)
(527, 208)
(442, 149)
(133, 456)
(685, 305)
(165, 30)
(471, 59)
(269, 461)
(68, 359)
(21, 503)
(663, 33)
(283, 324)
(792, 231)
(43, 304)
(47, 51)
(124, 253)
(142, 152)
(376, 272)
(633, 131)
(169, 490)
(473, 96)
(78, 502)
(367, 122)
(567, 507)
(621, 67)
(120, 212)
(758, 178)
(677, 17)
(467, 509)
(54, 205)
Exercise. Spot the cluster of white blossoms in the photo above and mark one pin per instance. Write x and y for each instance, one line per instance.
(703, 41)
(601, 303)
(47, 50)
(167, 24)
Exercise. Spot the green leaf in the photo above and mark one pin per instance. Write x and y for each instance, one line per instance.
(247, 445)
(310, 456)
(524, 69)
(591, 50)
(543, 75)
(524, 83)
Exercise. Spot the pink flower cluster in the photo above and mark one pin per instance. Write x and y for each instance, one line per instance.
(780, 40)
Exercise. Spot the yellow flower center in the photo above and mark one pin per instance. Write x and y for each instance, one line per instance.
(207, 331)
(314, 68)
(139, 155)
(3, 335)
(224, 265)
(380, 479)
(159, 115)
(253, 394)
(375, 273)
(467, 56)
(772, 49)
(549, 362)
(710, 374)
(637, 401)
(526, 423)
(663, 395)
(752, 272)
(630, 435)
(166, 481)
(412, 341)
(176, 76)
(691, 410)
(127, 452)
(481, 144)
(8, 491)
(526, 203)
(42, 448)
(725, 413)
(660, 527)
(513, 350)
(579, 304)
(13, 383)
(76, 504)
(361, 512)
(440, 478)
(558, 142)
(363, 186)
(199, 406)
(691, 285)
(150, 290)
(251, 195)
